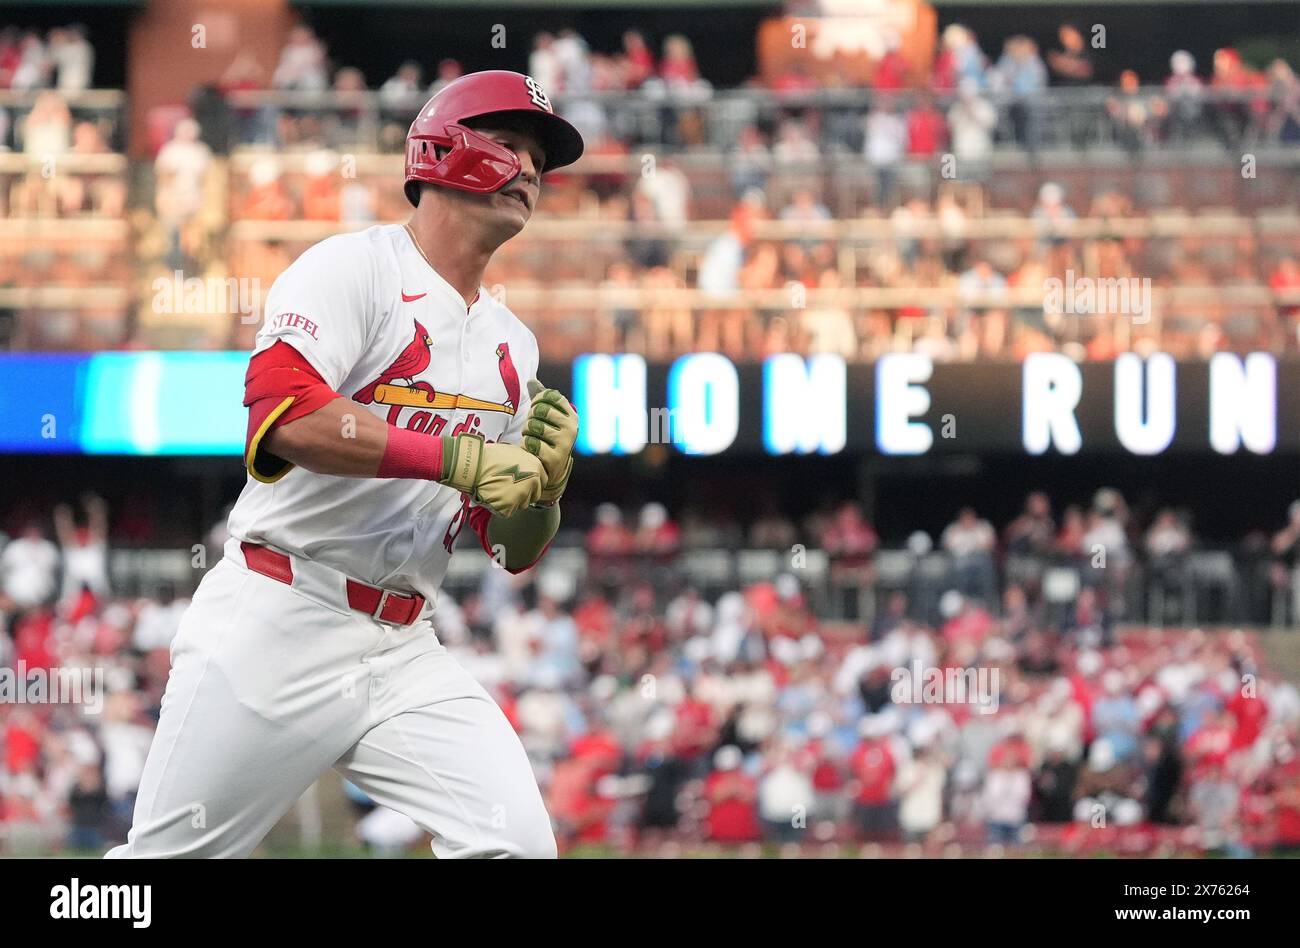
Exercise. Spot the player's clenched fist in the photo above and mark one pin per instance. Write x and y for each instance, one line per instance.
(502, 477)
(549, 433)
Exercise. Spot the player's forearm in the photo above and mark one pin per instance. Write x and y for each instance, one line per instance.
(337, 438)
(523, 537)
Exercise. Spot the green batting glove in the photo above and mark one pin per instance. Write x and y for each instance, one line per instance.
(549, 433)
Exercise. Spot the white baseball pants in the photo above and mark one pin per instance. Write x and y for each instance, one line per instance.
(271, 685)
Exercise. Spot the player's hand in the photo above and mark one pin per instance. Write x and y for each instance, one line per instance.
(502, 477)
(549, 433)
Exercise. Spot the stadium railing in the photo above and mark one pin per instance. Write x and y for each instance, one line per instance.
(1053, 117)
(1205, 586)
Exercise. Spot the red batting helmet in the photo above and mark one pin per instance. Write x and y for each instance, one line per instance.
(440, 149)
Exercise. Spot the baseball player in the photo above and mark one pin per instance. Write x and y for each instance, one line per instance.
(385, 418)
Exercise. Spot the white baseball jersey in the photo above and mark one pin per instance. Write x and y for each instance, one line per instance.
(385, 330)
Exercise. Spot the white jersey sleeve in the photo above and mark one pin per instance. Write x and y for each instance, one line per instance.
(323, 305)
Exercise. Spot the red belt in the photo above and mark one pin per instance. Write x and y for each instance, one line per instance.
(379, 603)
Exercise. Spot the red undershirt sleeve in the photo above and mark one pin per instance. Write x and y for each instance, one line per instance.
(280, 385)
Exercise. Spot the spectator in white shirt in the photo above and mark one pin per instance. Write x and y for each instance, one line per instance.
(34, 65)
(158, 622)
(886, 145)
(1106, 534)
(971, 121)
(921, 784)
(403, 86)
(1005, 800)
(179, 170)
(126, 737)
(574, 58)
(794, 145)
(970, 541)
(28, 566)
(980, 284)
(449, 70)
(830, 328)
(302, 63)
(669, 190)
(1168, 536)
(47, 130)
(73, 58)
(785, 799)
(544, 64)
(85, 549)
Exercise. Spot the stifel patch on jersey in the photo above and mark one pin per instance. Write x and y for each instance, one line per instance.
(296, 321)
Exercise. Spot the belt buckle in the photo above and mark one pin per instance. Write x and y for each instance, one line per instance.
(378, 614)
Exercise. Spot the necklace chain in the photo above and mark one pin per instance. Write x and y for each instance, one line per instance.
(420, 251)
(418, 248)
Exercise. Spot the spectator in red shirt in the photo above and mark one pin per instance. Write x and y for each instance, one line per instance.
(575, 799)
(678, 65)
(793, 78)
(1248, 713)
(927, 129)
(10, 55)
(320, 192)
(594, 618)
(640, 62)
(1285, 278)
(22, 745)
(968, 622)
(32, 639)
(1210, 746)
(892, 70)
(1281, 786)
(731, 794)
(873, 769)
(609, 544)
(266, 199)
(581, 814)
(1234, 117)
(609, 536)
(694, 733)
(850, 541)
(656, 534)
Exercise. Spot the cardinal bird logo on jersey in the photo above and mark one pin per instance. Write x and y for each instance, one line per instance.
(509, 377)
(413, 360)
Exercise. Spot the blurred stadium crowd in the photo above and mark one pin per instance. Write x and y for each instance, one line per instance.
(767, 218)
(661, 715)
(691, 682)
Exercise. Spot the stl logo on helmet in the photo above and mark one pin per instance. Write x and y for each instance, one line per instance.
(539, 97)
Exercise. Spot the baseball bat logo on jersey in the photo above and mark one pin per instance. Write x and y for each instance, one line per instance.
(397, 385)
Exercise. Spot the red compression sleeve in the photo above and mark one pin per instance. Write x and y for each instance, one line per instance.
(411, 454)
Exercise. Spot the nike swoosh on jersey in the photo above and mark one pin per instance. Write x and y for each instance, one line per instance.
(412, 298)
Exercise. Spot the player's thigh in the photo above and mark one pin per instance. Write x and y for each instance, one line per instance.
(457, 768)
(245, 728)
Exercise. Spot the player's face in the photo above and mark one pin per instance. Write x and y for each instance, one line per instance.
(513, 205)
